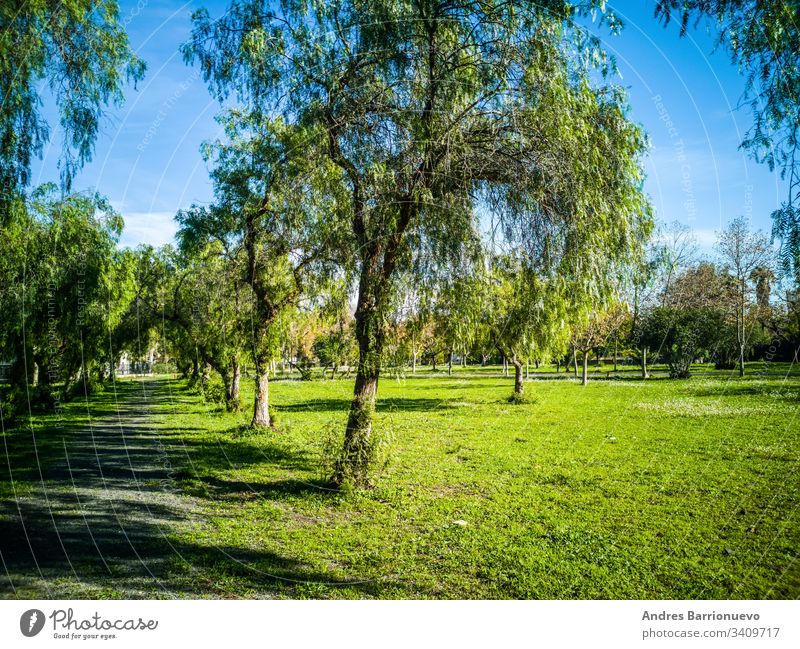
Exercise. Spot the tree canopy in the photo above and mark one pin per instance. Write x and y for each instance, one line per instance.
(81, 51)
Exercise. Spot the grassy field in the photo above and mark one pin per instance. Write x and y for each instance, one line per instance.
(620, 489)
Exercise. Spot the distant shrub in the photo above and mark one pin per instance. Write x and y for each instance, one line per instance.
(164, 368)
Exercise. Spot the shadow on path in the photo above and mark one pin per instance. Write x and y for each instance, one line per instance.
(93, 511)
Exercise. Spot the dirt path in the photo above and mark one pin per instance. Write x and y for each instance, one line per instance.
(96, 515)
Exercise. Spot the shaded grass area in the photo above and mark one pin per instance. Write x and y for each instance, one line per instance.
(621, 489)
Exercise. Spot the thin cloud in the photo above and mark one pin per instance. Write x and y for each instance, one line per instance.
(153, 228)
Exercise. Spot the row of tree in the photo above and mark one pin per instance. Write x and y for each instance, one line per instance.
(72, 320)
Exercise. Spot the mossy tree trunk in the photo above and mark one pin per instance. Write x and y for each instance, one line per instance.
(353, 465)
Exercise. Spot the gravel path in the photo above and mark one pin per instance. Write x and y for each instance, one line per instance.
(95, 518)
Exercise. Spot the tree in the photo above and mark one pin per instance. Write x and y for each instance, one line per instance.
(524, 311)
(456, 310)
(335, 346)
(671, 252)
(271, 209)
(430, 110)
(763, 40)
(593, 332)
(681, 334)
(693, 320)
(743, 251)
(211, 304)
(57, 274)
(151, 316)
(79, 49)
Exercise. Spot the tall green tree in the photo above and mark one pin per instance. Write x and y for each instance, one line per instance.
(212, 305)
(430, 110)
(524, 311)
(57, 271)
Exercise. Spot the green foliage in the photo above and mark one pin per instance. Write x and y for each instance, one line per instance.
(336, 348)
(214, 392)
(525, 314)
(80, 52)
(519, 130)
(682, 335)
(58, 272)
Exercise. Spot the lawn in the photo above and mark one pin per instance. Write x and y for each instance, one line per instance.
(620, 489)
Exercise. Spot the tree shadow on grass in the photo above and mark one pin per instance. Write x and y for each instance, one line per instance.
(221, 488)
(222, 452)
(389, 404)
(56, 552)
(773, 391)
(98, 512)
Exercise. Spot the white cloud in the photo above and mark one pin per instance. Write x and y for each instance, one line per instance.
(154, 228)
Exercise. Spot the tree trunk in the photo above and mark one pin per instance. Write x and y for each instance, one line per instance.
(354, 463)
(234, 402)
(585, 369)
(450, 364)
(575, 361)
(741, 360)
(519, 386)
(615, 354)
(741, 331)
(414, 362)
(261, 418)
(644, 363)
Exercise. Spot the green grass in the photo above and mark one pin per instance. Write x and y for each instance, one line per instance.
(620, 489)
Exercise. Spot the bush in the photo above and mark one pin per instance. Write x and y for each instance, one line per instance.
(164, 368)
(40, 399)
(214, 392)
(522, 399)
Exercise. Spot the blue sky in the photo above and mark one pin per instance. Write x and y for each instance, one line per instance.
(147, 159)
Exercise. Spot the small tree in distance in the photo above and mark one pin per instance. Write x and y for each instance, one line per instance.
(743, 252)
